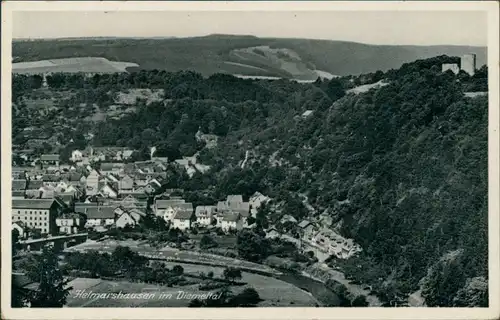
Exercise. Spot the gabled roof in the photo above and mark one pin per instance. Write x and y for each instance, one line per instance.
(164, 204)
(43, 204)
(183, 215)
(304, 223)
(51, 178)
(231, 216)
(49, 157)
(100, 212)
(203, 211)
(18, 193)
(235, 198)
(35, 184)
(19, 184)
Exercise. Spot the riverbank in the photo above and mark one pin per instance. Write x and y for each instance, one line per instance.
(321, 272)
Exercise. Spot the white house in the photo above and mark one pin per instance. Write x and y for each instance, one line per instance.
(125, 219)
(69, 223)
(92, 182)
(231, 221)
(20, 227)
(256, 201)
(100, 216)
(76, 156)
(182, 219)
(108, 191)
(204, 215)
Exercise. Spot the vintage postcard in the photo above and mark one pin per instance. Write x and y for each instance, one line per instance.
(250, 160)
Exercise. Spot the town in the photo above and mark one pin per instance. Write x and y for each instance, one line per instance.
(99, 190)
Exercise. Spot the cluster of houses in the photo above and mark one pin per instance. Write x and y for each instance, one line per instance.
(315, 236)
(56, 198)
(230, 214)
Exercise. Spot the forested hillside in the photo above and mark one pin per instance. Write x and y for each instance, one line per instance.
(402, 169)
(210, 54)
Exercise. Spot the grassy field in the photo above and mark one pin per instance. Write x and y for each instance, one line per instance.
(87, 64)
(275, 293)
(208, 54)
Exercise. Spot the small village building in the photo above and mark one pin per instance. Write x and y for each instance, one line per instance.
(256, 201)
(20, 227)
(204, 215)
(182, 219)
(49, 159)
(126, 183)
(307, 114)
(70, 223)
(99, 216)
(108, 191)
(92, 182)
(231, 221)
(126, 219)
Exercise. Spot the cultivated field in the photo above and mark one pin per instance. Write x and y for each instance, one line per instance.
(166, 253)
(72, 65)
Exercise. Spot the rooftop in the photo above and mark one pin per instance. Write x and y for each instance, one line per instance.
(32, 203)
(49, 157)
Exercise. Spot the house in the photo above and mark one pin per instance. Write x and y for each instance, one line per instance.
(152, 186)
(160, 206)
(37, 213)
(99, 216)
(70, 223)
(108, 191)
(92, 182)
(272, 233)
(235, 203)
(112, 167)
(126, 183)
(49, 159)
(20, 227)
(182, 219)
(204, 215)
(307, 229)
(125, 219)
(76, 156)
(170, 212)
(307, 114)
(256, 201)
(231, 221)
(67, 198)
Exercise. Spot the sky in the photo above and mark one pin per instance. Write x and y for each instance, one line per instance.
(371, 27)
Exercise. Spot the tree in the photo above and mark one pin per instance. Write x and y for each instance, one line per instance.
(359, 301)
(52, 289)
(178, 270)
(207, 242)
(443, 280)
(249, 297)
(473, 294)
(232, 274)
(251, 246)
(195, 303)
(15, 241)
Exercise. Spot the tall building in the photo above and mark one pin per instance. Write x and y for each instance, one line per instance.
(468, 63)
(37, 213)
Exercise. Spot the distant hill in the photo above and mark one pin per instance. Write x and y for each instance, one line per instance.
(244, 55)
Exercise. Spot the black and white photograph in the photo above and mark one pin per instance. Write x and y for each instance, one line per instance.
(227, 156)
